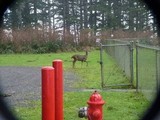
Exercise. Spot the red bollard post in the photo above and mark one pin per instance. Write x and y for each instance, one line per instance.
(48, 93)
(57, 64)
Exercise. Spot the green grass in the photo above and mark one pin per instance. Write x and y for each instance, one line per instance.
(34, 59)
(113, 110)
(90, 75)
(31, 112)
(119, 105)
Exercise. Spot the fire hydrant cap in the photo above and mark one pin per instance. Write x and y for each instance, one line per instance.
(96, 98)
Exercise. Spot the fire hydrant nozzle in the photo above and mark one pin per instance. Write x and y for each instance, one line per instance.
(94, 110)
(82, 112)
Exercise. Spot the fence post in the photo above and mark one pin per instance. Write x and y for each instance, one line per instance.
(131, 61)
(157, 69)
(48, 93)
(57, 64)
(137, 66)
(101, 63)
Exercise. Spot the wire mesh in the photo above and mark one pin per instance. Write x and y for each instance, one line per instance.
(158, 68)
(119, 71)
(148, 60)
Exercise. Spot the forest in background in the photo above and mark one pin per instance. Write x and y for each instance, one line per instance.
(63, 25)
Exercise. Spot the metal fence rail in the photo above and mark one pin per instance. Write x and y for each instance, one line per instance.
(147, 69)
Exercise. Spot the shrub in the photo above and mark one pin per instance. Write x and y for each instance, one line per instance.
(38, 41)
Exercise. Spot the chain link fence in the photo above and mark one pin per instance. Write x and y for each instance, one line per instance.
(147, 69)
(119, 72)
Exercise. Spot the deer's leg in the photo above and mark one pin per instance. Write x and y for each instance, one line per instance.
(74, 61)
(86, 63)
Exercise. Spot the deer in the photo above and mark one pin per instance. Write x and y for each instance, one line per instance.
(82, 58)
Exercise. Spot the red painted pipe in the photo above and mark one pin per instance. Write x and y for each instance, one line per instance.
(57, 64)
(48, 93)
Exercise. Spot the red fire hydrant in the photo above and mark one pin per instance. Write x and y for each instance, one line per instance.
(94, 110)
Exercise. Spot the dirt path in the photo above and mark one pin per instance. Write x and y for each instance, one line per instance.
(21, 84)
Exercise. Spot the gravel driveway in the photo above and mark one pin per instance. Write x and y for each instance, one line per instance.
(21, 84)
